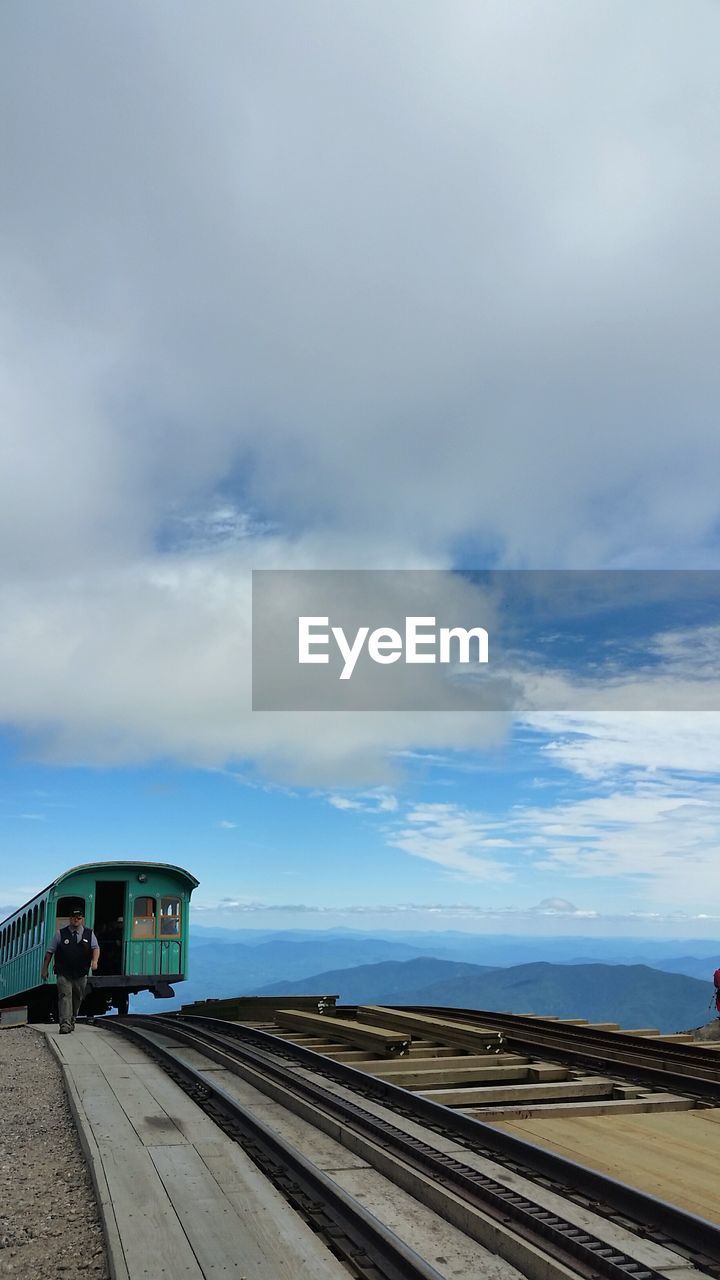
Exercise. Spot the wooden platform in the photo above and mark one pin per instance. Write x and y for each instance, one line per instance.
(674, 1156)
(177, 1197)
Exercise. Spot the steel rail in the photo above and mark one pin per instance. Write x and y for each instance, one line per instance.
(350, 1231)
(547, 1231)
(672, 1068)
(661, 1221)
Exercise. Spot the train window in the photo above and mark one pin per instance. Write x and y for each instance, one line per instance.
(169, 917)
(35, 930)
(41, 921)
(144, 918)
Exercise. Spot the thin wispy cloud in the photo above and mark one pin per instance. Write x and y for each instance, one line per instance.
(379, 801)
(457, 840)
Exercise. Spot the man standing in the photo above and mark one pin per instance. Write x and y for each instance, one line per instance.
(75, 950)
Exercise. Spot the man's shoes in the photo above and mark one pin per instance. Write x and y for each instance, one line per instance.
(65, 1030)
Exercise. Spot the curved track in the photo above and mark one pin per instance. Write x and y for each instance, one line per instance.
(264, 1059)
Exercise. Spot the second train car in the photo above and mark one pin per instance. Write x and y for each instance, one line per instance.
(139, 912)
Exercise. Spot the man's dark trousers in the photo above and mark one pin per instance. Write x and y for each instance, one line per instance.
(71, 992)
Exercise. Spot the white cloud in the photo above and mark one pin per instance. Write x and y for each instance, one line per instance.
(643, 833)
(155, 660)
(379, 801)
(454, 838)
(595, 745)
(444, 281)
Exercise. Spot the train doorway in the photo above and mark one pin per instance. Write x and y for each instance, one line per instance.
(109, 924)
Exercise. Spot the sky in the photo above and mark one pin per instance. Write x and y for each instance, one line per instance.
(392, 285)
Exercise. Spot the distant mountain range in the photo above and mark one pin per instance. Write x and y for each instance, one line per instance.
(231, 962)
(498, 950)
(633, 995)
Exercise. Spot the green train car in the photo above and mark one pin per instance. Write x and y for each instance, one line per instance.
(140, 914)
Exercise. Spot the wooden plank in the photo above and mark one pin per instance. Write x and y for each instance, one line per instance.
(420, 1227)
(216, 1231)
(412, 1078)
(460, 1034)
(319, 1045)
(106, 1050)
(116, 1257)
(152, 1123)
(108, 1121)
(639, 1031)
(162, 1223)
(188, 1117)
(285, 1243)
(365, 1055)
(618, 1106)
(589, 1087)
(153, 1239)
(547, 1071)
(257, 1008)
(385, 1043)
(125, 1050)
(467, 1061)
(69, 1049)
(635, 1149)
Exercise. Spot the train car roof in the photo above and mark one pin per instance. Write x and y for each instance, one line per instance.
(154, 866)
(90, 866)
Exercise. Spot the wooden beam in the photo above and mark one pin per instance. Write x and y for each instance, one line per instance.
(461, 1034)
(255, 1008)
(387, 1044)
(466, 1062)
(566, 1110)
(590, 1087)
(440, 1075)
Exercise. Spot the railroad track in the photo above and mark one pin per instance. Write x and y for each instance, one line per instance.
(513, 1222)
(684, 1068)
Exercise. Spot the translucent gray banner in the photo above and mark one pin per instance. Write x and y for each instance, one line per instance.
(519, 641)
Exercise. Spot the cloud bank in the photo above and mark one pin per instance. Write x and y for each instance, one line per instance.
(440, 288)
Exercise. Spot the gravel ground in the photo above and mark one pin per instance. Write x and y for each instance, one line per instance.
(49, 1222)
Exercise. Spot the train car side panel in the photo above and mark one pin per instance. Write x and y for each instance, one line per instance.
(140, 915)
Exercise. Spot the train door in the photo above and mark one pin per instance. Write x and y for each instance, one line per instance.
(109, 925)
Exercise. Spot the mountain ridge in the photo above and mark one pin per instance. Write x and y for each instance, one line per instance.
(632, 995)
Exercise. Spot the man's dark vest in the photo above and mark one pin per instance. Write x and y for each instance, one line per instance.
(72, 958)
